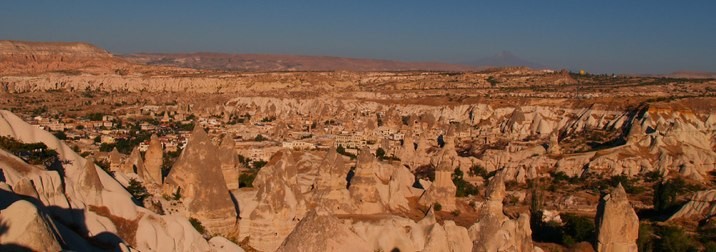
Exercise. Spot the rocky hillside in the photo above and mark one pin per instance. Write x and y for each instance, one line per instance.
(280, 63)
(53, 198)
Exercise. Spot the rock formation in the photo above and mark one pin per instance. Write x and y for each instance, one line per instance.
(115, 160)
(331, 189)
(363, 185)
(702, 205)
(197, 176)
(321, 231)
(229, 163)
(154, 160)
(280, 202)
(494, 231)
(442, 190)
(617, 224)
(25, 228)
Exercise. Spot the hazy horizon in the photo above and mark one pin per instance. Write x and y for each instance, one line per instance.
(604, 37)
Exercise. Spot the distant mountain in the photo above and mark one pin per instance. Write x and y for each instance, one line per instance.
(504, 59)
(692, 75)
(272, 62)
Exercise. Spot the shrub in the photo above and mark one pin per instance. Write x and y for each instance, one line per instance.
(341, 150)
(60, 135)
(104, 164)
(666, 193)
(645, 241)
(197, 225)
(32, 153)
(577, 229)
(177, 195)
(437, 207)
(455, 213)
(138, 191)
(478, 170)
(674, 239)
(380, 153)
(260, 138)
(464, 188)
(247, 179)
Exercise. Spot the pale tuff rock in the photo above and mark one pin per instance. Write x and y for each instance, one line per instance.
(168, 233)
(281, 204)
(442, 190)
(331, 186)
(400, 187)
(494, 231)
(221, 244)
(154, 160)
(27, 228)
(702, 205)
(448, 237)
(617, 223)
(198, 175)
(90, 184)
(406, 153)
(135, 164)
(322, 232)
(82, 179)
(554, 148)
(363, 188)
(229, 163)
(115, 160)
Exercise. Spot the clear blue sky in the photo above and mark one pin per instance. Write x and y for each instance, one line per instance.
(601, 36)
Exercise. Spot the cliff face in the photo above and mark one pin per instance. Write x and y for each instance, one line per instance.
(19, 57)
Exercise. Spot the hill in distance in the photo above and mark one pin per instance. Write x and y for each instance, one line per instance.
(505, 59)
(276, 62)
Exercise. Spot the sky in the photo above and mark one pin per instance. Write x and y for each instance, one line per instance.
(606, 36)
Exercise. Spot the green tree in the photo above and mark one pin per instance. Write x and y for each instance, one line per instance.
(380, 153)
(577, 229)
(138, 191)
(464, 188)
(666, 194)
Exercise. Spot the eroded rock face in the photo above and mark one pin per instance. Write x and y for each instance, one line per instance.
(229, 162)
(617, 223)
(331, 190)
(281, 204)
(322, 232)
(701, 205)
(364, 185)
(154, 160)
(26, 228)
(197, 173)
(98, 203)
(442, 190)
(494, 231)
(90, 184)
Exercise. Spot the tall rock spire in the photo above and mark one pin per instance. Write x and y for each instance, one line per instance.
(154, 160)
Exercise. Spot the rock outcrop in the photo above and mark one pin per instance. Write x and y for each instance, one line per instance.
(24, 228)
(494, 231)
(322, 232)
(331, 189)
(229, 163)
(281, 204)
(86, 198)
(364, 185)
(617, 225)
(442, 190)
(154, 158)
(197, 176)
(702, 205)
